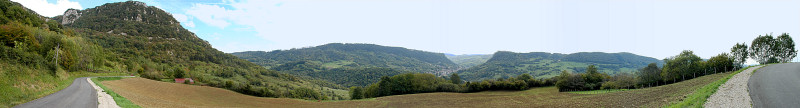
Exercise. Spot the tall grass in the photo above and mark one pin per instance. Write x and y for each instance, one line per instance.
(700, 96)
(121, 101)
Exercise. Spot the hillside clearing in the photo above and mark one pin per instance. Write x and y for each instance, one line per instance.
(149, 93)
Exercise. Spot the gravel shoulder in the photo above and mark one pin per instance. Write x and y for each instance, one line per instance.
(734, 93)
(104, 100)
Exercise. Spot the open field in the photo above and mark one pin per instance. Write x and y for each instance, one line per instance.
(149, 93)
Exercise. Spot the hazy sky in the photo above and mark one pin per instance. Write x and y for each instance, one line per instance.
(654, 28)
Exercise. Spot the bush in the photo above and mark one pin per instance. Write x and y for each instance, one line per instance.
(305, 93)
(356, 93)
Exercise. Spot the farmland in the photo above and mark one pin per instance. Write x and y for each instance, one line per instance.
(149, 93)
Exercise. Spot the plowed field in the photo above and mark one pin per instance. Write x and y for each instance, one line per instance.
(149, 93)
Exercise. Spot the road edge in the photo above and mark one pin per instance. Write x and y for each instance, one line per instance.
(726, 94)
(104, 100)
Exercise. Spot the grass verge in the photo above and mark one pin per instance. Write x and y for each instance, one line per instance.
(700, 96)
(121, 101)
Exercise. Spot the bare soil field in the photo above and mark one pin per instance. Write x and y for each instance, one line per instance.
(149, 93)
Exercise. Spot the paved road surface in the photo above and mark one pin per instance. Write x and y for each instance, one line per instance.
(78, 95)
(776, 86)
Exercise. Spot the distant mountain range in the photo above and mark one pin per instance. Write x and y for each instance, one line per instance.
(544, 65)
(350, 58)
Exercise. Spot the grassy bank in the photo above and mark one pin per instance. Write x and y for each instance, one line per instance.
(700, 96)
(121, 101)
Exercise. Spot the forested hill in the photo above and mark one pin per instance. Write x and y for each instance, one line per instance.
(336, 55)
(544, 65)
(324, 60)
(153, 44)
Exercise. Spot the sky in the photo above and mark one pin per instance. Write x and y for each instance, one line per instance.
(653, 28)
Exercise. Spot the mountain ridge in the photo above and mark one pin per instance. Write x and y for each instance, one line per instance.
(543, 64)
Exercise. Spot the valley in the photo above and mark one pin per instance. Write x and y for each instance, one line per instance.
(172, 63)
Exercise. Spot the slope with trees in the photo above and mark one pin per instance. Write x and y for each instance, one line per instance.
(38, 56)
(361, 63)
(151, 43)
(504, 64)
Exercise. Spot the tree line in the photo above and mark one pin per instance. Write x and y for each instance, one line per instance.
(410, 83)
(765, 49)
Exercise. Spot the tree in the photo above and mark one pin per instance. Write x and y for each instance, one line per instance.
(591, 69)
(179, 73)
(356, 93)
(592, 78)
(650, 74)
(720, 63)
(761, 49)
(455, 79)
(784, 48)
(739, 54)
(524, 77)
(681, 66)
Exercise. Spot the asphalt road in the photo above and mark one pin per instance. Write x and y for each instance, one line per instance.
(776, 86)
(80, 94)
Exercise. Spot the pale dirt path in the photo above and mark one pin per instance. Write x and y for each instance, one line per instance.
(104, 100)
(734, 93)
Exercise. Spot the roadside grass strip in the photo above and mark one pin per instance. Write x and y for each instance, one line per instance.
(121, 101)
(700, 96)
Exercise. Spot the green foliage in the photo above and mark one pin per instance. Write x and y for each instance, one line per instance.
(739, 54)
(784, 48)
(179, 73)
(358, 55)
(591, 80)
(306, 93)
(650, 75)
(455, 79)
(621, 81)
(762, 49)
(410, 83)
(680, 67)
(720, 63)
(356, 93)
(541, 64)
(354, 76)
(14, 33)
(14, 12)
(350, 64)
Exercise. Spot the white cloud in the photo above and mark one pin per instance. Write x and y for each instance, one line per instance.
(212, 15)
(49, 9)
(253, 14)
(187, 21)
